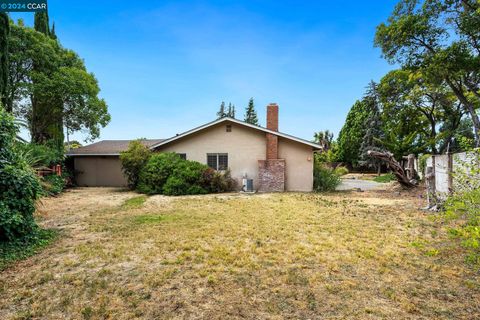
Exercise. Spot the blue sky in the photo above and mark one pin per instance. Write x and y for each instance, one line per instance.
(165, 66)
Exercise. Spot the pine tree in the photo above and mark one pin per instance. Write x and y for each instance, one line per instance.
(221, 112)
(4, 33)
(374, 133)
(231, 110)
(251, 114)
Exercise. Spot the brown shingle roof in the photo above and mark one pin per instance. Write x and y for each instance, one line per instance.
(109, 147)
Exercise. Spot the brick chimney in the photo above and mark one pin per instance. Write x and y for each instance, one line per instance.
(272, 124)
(271, 171)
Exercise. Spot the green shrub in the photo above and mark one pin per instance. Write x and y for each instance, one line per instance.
(324, 178)
(464, 205)
(385, 178)
(156, 171)
(167, 173)
(186, 178)
(36, 155)
(341, 171)
(133, 160)
(53, 184)
(19, 186)
(422, 162)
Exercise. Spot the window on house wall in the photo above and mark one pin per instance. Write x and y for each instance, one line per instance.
(217, 161)
(229, 128)
(182, 156)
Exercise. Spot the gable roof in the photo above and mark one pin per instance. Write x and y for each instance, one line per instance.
(108, 147)
(228, 119)
(115, 147)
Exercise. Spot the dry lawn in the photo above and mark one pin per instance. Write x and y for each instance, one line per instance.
(297, 256)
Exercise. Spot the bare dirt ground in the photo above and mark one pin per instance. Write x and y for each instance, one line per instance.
(358, 255)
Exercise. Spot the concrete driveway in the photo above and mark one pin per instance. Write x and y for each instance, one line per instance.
(354, 184)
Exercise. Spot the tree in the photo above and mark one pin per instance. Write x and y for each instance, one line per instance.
(374, 130)
(48, 84)
(133, 160)
(441, 40)
(221, 112)
(250, 113)
(352, 133)
(323, 138)
(4, 35)
(47, 116)
(231, 110)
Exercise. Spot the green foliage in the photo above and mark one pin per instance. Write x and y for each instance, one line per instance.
(352, 133)
(438, 39)
(341, 171)
(186, 178)
(374, 129)
(133, 160)
(4, 35)
(167, 173)
(53, 184)
(464, 205)
(52, 87)
(19, 186)
(251, 113)
(385, 178)
(11, 251)
(39, 155)
(422, 162)
(324, 138)
(156, 171)
(324, 178)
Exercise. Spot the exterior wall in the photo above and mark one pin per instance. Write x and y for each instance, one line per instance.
(299, 169)
(92, 171)
(244, 146)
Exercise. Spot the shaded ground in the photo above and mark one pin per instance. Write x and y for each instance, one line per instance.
(305, 256)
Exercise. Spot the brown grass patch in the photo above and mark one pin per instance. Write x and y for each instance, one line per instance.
(307, 256)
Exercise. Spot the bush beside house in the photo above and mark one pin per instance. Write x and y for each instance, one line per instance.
(167, 173)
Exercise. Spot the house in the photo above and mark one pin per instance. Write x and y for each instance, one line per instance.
(275, 161)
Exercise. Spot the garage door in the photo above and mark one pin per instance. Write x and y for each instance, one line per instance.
(99, 172)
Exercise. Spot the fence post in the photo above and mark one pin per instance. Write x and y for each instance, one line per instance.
(450, 171)
(434, 180)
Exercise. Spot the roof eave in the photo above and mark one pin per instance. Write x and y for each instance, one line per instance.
(212, 123)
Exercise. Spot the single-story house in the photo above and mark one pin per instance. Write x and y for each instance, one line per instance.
(275, 161)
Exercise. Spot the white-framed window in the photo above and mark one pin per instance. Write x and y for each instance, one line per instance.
(217, 161)
(182, 156)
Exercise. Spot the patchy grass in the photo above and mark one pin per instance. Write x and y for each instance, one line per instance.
(134, 203)
(385, 178)
(272, 256)
(14, 251)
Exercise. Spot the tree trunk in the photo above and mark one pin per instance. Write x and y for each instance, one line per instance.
(397, 169)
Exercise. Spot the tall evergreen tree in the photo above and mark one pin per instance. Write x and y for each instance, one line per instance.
(250, 113)
(4, 34)
(374, 131)
(352, 133)
(41, 23)
(231, 110)
(221, 112)
(47, 116)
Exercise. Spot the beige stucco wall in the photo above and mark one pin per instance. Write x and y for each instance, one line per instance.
(92, 171)
(245, 146)
(299, 165)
